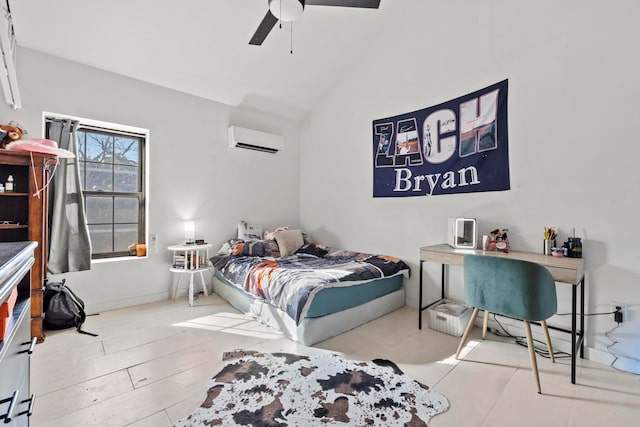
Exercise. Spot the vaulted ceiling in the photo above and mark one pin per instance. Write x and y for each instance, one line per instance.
(201, 47)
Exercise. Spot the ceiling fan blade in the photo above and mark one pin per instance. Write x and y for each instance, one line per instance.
(268, 22)
(371, 4)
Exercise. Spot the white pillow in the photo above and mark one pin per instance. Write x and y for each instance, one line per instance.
(289, 241)
(249, 231)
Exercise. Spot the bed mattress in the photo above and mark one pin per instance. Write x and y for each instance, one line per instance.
(292, 283)
(310, 297)
(332, 300)
(310, 330)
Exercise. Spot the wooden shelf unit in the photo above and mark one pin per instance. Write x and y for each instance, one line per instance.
(30, 172)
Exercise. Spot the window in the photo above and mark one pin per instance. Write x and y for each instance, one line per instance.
(112, 164)
(112, 175)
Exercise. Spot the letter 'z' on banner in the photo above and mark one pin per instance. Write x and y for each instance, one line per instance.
(459, 146)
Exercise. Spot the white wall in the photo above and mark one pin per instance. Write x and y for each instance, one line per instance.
(192, 173)
(573, 72)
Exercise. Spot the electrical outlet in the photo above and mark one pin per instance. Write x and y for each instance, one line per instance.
(623, 309)
(153, 243)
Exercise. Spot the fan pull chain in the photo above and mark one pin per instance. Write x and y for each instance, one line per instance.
(280, 14)
(291, 38)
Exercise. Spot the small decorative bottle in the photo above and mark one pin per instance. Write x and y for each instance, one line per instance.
(10, 186)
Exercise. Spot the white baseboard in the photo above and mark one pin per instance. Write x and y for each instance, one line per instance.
(127, 302)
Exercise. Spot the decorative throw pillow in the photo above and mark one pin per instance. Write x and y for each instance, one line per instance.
(289, 241)
(256, 248)
(313, 249)
(261, 248)
(236, 250)
(249, 231)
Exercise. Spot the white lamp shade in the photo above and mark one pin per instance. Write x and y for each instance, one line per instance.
(286, 10)
(189, 230)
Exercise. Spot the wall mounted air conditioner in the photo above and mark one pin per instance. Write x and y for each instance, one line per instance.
(8, 76)
(250, 139)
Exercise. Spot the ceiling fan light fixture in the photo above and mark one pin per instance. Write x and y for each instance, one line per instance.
(286, 10)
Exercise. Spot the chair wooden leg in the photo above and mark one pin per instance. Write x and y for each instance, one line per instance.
(532, 354)
(485, 324)
(467, 331)
(548, 338)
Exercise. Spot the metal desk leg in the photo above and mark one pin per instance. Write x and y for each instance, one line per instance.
(421, 308)
(573, 334)
(577, 337)
(444, 269)
(582, 318)
(420, 299)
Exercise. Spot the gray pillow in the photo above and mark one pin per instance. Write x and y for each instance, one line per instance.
(289, 241)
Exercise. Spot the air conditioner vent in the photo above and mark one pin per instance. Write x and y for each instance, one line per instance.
(256, 148)
(250, 139)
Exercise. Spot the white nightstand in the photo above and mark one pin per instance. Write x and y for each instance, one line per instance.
(189, 259)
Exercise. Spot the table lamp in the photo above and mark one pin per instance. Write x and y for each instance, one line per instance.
(189, 232)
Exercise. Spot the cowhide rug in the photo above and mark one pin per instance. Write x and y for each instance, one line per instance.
(281, 389)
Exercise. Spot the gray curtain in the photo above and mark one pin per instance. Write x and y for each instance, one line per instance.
(69, 244)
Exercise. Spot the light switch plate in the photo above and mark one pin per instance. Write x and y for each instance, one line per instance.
(153, 243)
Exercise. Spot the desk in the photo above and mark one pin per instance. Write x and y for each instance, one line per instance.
(190, 259)
(562, 269)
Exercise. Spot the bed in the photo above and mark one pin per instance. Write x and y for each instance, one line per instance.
(311, 293)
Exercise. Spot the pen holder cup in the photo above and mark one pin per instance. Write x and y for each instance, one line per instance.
(548, 244)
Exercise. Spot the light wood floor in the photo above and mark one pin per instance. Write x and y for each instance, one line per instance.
(150, 365)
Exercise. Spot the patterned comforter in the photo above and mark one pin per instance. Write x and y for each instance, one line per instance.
(290, 283)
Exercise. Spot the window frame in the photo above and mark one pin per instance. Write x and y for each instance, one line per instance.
(142, 196)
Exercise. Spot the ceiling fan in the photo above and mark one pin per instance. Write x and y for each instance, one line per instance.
(290, 10)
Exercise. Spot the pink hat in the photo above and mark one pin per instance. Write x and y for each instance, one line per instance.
(39, 145)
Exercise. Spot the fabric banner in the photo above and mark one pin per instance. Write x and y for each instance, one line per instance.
(459, 146)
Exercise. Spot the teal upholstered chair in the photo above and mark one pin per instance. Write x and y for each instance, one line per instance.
(519, 289)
